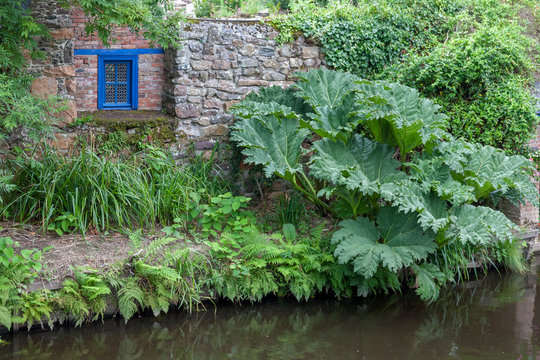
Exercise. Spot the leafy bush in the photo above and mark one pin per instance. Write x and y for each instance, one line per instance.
(365, 37)
(405, 188)
(482, 80)
(469, 56)
(100, 193)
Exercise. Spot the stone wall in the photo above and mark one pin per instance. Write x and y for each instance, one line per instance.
(527, 215)
(55, 74)
(221, 61)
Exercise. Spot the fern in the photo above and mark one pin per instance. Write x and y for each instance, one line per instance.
(130, 298)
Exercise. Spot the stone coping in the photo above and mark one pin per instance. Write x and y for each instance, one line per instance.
(250, 21)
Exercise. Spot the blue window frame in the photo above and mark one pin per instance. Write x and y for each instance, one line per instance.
(117, 82)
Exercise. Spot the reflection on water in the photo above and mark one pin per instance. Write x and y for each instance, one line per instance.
(490, 319)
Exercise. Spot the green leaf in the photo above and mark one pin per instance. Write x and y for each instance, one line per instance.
(399, 116)
(488, 169)
(361, 165)
(5, 317)
(290, 232)
(272, 141)
(286, 97)
(397, 242)
(429, 279)
(479, 225)
(336, 123)
(323, 87)
(409, 197)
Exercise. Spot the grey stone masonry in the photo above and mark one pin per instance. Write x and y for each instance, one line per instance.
(220, 62)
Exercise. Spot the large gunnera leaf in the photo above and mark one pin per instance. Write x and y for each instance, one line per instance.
(395, 242)
(361, 164)
(479, 225)
(488, 169)
(399, 116)
(323, 87)
(273, 141)
(409, 196)
(336, 123)
(286, 97)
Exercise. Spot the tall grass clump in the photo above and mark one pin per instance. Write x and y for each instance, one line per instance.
(100, 192)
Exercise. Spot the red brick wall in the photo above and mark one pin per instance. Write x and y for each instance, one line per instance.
(151, 72)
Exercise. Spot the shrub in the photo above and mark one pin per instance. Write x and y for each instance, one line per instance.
(483, 81)
(456, 53)
(251, 266)
(404, 189)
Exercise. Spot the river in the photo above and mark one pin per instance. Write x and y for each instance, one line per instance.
(495, 318)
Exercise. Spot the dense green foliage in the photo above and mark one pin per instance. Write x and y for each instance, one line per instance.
(156, 280)
(98, 193)
(473, 58)
(405, 188)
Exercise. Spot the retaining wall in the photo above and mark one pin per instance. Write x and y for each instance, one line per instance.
(221, 61)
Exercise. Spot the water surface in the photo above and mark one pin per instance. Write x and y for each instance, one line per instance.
(496, 318)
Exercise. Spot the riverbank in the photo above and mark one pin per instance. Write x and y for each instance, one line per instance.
(489, 319)
(108, 266)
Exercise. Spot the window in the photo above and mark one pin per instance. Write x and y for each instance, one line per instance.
(117, 82)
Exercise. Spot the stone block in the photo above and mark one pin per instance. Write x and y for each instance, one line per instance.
(295, 62)
(251, 72)
(62, 34)
(221, 65)
(225, 85)
(213, 104)
(248, 50)
(184, 111)
(271, 63)
(64, 71)
(252, 82)
(44, 86)
(69, 114)
(201, 65)
(179, 90)
(203, 121)
(246, 63)
(273, 76)
(288, 50)
(64, 141)
(215, 130)
(195, 99)
(310, 52)
(71, 86)
(266, 51)
(195, 91)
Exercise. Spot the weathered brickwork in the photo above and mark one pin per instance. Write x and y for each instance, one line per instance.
(55, 74)
(151, 74)
(222, 61)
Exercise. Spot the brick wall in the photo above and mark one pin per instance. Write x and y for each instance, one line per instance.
(151, 73)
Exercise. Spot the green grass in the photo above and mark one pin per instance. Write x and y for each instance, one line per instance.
(140, 191)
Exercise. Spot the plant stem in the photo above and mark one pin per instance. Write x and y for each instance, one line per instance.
(312, 197)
